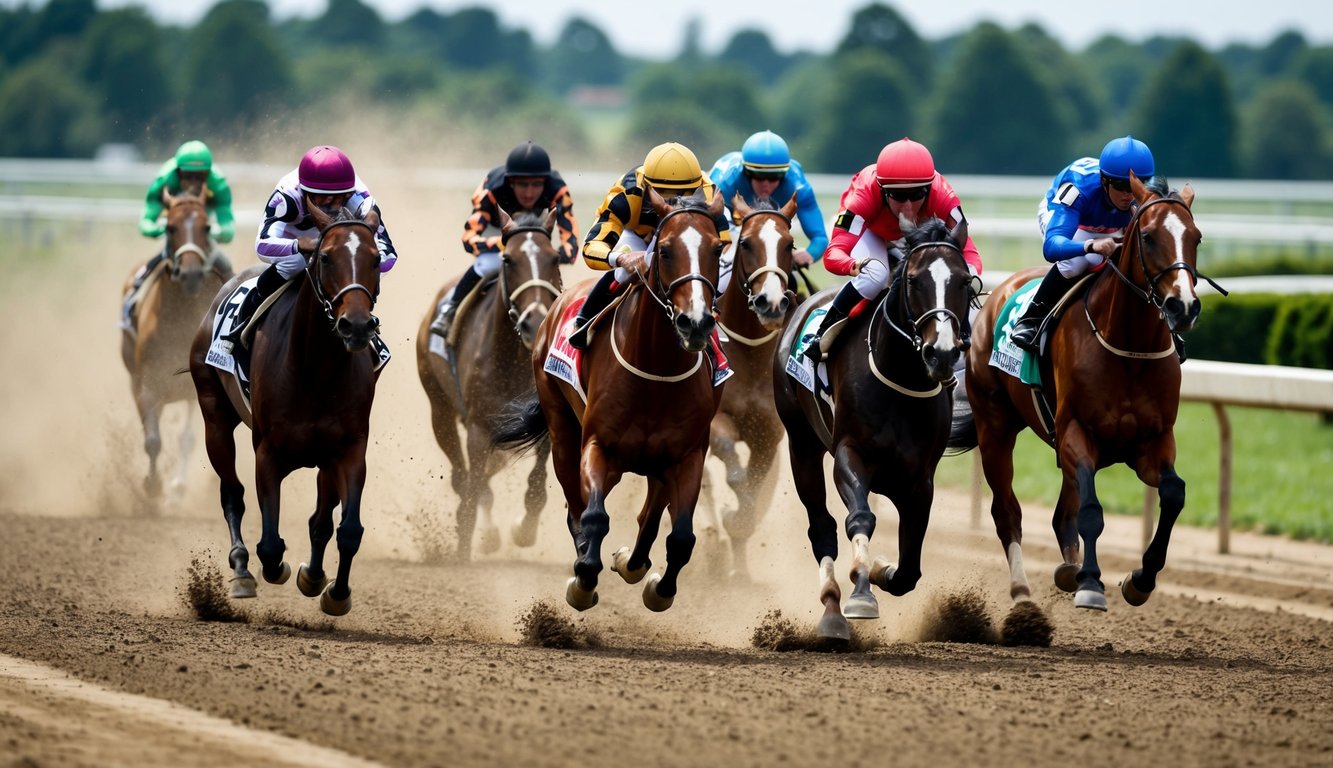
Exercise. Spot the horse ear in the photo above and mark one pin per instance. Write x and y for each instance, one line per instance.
(738, 205)
(548, 221)
(506, 221)
(657, 202)
(372, 219)
(1187, 195)
(322, 220)
(789, 210)
(715, 208)
(1136, 186)
(167, 198)
(959, 233)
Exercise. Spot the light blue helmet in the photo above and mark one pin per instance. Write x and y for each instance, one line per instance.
(1125, 154)
(765, 153)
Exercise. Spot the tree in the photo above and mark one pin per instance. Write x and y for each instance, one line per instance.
(349, 22)
(46, 112)
(796, 97)
(1314, 67)
(883, 29)
(1079, 96)
(473, 40)
(1277, 57)
(234, 66)
(995, 114)
(723, 105)
(123, 62)
(1288, 134)
(753, 51)
(1187, 117)
(867, 104)
(583, 55)
(1120, 66)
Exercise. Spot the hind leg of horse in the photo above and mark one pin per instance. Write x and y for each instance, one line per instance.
(268, 488)
(1138, 585)
(220, 421)
(1079, 460)
(682, 488)
(1065, 522)
(806, 455)
(310, 577)
(848, 472)
(755, 496)
(475, 491)
(444, 423)
(633, 564)
(186, 447)
(150, 415)
(351, 479)
(524, 532)
(996, 443)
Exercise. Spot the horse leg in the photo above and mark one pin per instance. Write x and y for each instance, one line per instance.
(632, 565)
(220, 420)
(755, 496)
(444, 423)
(848, 469)
(590, 526)
(1138, 585)
(186, 444)
(476, 491)
(524, 532)
(806, 455)
(150, 413)
(1078, 457)
(268, 487)
(682, 486)
(351, 479)
(913, 504)
(310, 578)
(997, 464)
(1065, 523)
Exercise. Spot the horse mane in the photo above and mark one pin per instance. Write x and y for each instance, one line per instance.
(765, 204)
(687, 203)
(932, 231)
(1159, 186)
(527, 219)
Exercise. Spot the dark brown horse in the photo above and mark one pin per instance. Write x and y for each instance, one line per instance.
(649, 402)
(1113, 375)
(155, 345)
(751, 313)
(494, 366)
(885, 417)
(312, 377)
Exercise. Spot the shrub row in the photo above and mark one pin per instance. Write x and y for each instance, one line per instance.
(1266, 329)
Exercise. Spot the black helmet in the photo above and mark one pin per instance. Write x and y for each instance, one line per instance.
(528, 160)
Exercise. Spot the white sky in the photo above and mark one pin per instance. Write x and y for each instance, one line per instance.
(655, 28)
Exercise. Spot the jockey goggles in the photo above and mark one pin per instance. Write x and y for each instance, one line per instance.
(1119, 185)
(907, 194)
(765, 175)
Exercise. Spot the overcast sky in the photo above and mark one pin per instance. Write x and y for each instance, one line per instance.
(655, 28)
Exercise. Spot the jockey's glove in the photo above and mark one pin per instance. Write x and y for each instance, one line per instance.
(226, 232)
(387, 261)
(151, 228)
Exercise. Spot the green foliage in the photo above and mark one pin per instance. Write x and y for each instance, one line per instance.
(123, 62)
(1079, 97)
(793, 105)
(1234, 329)
(1287, 134)
(1276, 58)
(472, 39)
(45, 111)
(994, 113)
(1186, 115)
(234, 66)
(867, 104)
(349, 22)
(752, 51)
(583, 55)
(1302, 334)
(1314, 67)
(680, 121)
(1121, 67)
(710, 109)
(880, 28)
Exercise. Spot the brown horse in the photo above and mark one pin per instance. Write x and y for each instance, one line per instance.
(1114, 378)
(751, 312)
(493, 353)
(312, 377)
(649, 402)
(155, 344)
(885, 417)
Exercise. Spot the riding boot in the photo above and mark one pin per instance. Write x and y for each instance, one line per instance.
(444, 318)
(269, 281)
(127, 307)
(1053, 288)
(843, 304)
(601, 296)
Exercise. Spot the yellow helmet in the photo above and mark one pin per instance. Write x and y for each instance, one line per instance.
(672, 166)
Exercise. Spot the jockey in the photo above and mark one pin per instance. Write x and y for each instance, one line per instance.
(764, 170)
(191, 169)
(1082, 218)
(619, 239)
(524, 183)
(325, 179)
(902, 186)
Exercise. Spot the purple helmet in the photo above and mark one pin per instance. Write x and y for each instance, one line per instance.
(326, 171)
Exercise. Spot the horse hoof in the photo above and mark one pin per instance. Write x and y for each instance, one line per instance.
(881, 573)
(1091, 599)
(651, 599)
(490, 540)
(620, 564)
(524, 535)
(861, 607)
(577, 598)
(1133, 595)
(243, 586)
(1066, 577)
(283, 575)
(834, 627)
(333, 606)
(310, 587)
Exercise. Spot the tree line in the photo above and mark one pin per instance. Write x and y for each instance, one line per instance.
(988, 100)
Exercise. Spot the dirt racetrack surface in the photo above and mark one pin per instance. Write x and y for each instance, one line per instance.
(104, 663)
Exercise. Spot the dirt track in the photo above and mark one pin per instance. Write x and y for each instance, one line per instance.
(1231, 664)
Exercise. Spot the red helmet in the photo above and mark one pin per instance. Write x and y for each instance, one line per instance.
(904, 163)
(326, 170)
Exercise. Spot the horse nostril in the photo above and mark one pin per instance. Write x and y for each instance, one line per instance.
(783, 305)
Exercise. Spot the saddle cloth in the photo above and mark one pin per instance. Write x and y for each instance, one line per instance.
(1007, 356)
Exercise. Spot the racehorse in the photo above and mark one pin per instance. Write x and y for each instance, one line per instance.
(312, 380)
(885, 417)
(649, 401)
(494, 339)
(155, 344)
(751, 313)
(1113, 376)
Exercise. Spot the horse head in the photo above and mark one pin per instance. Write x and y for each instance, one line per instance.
(344, 271)
(763, 260)
(934, 289)
(1162, 240)
(529, 271)
(683, 274)
(187, 244)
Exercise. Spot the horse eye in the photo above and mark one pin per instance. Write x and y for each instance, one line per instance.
(324, 259)
(745, 243)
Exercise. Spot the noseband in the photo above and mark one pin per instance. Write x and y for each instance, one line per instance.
(963, 329)
(511, 296)
(664, 300)
(1135, 229)
(207, 257)
(316, 280)
(749, 277)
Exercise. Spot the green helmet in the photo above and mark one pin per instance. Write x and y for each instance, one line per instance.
(194, 156)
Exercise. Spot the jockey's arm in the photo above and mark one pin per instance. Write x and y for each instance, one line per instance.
(1059, 243)
(149, 226)
(566, 228)
(220, 192)
(812, 223)
(485, 212)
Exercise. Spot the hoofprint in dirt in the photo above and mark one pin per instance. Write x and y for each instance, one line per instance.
(436, 666)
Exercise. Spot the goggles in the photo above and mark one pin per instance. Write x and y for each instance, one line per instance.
(907, 194)
(1119, 185)
(766, 175)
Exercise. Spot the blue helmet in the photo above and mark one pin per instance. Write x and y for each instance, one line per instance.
(766, 153)
(1125, 154)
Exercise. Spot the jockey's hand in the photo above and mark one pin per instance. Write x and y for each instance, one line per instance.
(226, 232)
(151, 228)
(856, 268)
(801, 258)
(631, 262)
(306, 245)
(1104, 247)
(387, 261)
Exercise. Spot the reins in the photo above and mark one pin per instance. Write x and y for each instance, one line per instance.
(316, 282)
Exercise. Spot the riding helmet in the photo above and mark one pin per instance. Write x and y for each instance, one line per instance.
(672, 166)
(765, 152)
(904, 163)
(1125, 154)
(528, 160)
(194, 156)
(325, 170)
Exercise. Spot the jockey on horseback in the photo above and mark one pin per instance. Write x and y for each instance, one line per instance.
(1082, 218)
(902, 187)
(324, 179)
(524, 183)
(764, 170)
(192, 170)
(619, 240)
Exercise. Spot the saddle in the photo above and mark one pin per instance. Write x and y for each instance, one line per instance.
(466, 305)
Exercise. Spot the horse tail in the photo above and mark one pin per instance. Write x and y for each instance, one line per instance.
(521, 425)
(962, 427)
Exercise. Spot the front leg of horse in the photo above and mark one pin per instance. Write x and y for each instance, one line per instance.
(1138, 586)
(1091, 593)
(337, 597)
(310, 577)
(150, 413)
(848, 473)
(590, 528)
(913, 506)
(633, 565)
(475, 512)
(268, 487)
(524, 532)
(755, 496)
(682, 486)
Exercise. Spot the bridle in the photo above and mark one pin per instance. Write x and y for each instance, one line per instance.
(207, 256)
(664, 300)
(509, 297)
(314, 269)
(899, 291)
(749, 277)
(1135, 231)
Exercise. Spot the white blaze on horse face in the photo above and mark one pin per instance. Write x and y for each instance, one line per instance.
(939, 272)
(353, 245)
(771, 238)
(531, 250)
(692, 241)
(1176, 228)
